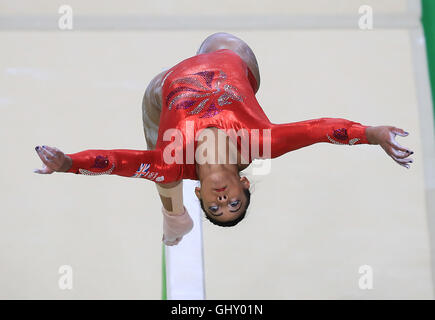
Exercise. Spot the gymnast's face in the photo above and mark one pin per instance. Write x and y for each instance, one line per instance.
(222, 194)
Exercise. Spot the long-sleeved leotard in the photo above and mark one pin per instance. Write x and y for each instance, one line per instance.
(215, 89)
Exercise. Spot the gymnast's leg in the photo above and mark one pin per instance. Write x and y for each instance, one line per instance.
(151, 109)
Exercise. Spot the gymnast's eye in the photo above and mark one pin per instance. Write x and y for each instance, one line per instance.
(234, 203)
(213, 208)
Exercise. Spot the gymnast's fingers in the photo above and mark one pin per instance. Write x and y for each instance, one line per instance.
(56, 153)
(395, 144)
(400, 154)
(49, 154)
(55, 161)
(389, 150)
(403, 162)
(399, 131)
(46, 158)
(41, 155)
(44, 170)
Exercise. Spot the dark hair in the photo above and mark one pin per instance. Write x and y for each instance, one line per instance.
(230, 223)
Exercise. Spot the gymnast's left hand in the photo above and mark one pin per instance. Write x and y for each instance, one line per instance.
(53, 160)
(385, 137)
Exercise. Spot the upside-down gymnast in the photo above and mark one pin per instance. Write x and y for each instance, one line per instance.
(212, 92)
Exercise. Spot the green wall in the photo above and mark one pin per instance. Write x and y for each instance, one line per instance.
(428, 20)
(164, 292)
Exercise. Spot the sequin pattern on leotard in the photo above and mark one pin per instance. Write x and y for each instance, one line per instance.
(203, 93)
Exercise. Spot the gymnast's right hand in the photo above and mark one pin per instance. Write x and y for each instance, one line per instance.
(53, 160)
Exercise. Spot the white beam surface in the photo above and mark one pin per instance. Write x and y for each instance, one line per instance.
(184, 262)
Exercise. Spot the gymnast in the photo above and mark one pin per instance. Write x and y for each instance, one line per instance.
(202, 122)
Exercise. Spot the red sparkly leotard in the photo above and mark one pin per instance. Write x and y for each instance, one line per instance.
(215, 89)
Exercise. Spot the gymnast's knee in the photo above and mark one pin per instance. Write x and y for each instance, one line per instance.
(218, 41)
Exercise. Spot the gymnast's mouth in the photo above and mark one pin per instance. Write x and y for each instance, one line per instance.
(220, 189)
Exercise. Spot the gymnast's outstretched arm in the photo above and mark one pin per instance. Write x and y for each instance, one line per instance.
(291, 136)
(146, 164)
